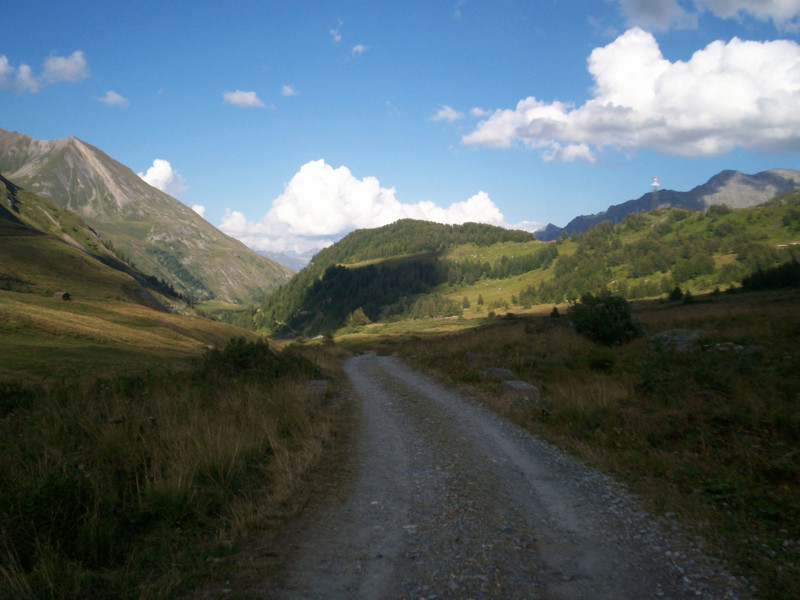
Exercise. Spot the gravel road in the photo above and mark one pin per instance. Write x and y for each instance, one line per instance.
(449, 500)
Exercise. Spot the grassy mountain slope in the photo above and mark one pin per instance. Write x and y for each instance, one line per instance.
(733, 188)
(320, 296)
(114, 321)
(159, 234)
(646, 255)
(478, 270)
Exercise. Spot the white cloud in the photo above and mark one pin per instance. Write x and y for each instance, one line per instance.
(479, 112)
(243, 99)
(737, 94)
(448, 114)
(530, 226)
(359, 49)
(199, 209)
(784, 13)
(21, 79)
(112, 98)
(668, 14)
(336, 32)
(657, 14)
(25, 80)
(162, 176)
(66, 68)
(321, 204)
(288, 90)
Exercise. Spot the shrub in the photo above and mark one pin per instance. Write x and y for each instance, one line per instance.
(676, 295)
(607, 320)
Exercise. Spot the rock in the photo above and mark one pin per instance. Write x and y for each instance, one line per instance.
(318, 387)
(521, 390)
(678, 340)
(498, 373)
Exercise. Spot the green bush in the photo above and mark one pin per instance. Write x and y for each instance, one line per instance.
(606, 320)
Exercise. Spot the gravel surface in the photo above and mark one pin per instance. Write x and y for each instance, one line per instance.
(449, 500)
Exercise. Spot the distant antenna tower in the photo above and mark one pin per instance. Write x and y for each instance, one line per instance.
(654, 198)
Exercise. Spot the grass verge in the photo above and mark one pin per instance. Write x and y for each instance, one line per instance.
(710, 435)
(131, 487)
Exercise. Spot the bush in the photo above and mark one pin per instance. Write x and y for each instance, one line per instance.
(607, 320)
(676, 295)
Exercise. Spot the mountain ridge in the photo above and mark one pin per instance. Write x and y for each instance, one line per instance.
(730, 187)
(157, 232)
(48, 248)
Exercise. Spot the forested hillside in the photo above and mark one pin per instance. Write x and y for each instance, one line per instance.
(322, 295)
(651, 253)
(415, 269)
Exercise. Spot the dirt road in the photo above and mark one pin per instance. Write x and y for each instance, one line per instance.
(450, 501)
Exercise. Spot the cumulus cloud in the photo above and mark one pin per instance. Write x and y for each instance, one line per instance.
(243, 99)
(112, 98)
(162, 176)
(199, 209)
(359, 49)
(737, 94)
(446, 113)
(21, 79)
(66, 68)
(288, 90)
(666, 14)
(321, 204)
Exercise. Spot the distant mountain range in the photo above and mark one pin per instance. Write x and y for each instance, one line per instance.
(291, 260)
(733, 188)
(157, 233)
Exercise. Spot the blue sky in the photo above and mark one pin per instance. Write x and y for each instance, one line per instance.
(288, 124)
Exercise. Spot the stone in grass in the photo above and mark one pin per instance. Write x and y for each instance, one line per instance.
(318, 387)
(498, 373)
(678, 340)
(521, 391)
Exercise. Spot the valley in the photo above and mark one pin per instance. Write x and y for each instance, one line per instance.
(155, 450)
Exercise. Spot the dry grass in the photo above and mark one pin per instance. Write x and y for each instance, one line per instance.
(711, 436)
(124, 488)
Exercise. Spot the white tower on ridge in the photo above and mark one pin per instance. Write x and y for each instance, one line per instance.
(654, 199)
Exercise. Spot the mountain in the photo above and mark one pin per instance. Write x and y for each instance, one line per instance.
(159, 234)
(290, 260)
(733, 188)
(375, 270)
(420, 270)
(46, 248)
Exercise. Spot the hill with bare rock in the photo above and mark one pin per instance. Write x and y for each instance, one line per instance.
(159, 234)
(731, 188)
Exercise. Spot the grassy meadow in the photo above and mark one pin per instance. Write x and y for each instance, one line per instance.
(710, 436)
(140, 446)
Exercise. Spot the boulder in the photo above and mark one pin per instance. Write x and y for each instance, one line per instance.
(318, 387)
(678, 340)
(521, 391)
(498, 374)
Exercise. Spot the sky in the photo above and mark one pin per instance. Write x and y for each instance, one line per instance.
(287, 124)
